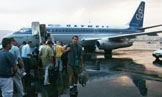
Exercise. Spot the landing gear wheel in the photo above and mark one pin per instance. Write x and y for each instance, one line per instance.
(89, 49)
(157, 58)
(108, 54)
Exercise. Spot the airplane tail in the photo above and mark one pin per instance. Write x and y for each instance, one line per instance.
(137, 20)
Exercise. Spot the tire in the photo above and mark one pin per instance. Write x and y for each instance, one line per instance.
(157, 58)
(89, 49)
(108, 54)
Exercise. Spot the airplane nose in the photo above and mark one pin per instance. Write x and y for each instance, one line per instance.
(7, 36)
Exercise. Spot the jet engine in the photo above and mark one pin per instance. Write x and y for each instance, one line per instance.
(106, 44)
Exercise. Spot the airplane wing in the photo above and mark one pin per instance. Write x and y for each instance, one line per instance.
(134, 35)
(144, 28)
(117, 37)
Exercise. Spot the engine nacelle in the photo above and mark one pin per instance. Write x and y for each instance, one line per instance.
(105, 44)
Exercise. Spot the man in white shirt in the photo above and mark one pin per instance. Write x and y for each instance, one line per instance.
(20, 48)
(26, 55)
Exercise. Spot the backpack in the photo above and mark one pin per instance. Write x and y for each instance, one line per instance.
(64, 56)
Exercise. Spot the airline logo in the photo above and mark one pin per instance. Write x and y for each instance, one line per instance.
(139, 14)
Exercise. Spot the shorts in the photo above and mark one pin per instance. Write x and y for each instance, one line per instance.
(73, 70)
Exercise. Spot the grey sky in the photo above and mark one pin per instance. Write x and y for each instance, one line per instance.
(15, 14)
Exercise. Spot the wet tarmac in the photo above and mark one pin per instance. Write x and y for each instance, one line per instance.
(129, 73)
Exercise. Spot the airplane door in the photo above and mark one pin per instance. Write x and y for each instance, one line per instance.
(39, 31)
(45, 35)
(35, 28)
(43, 32)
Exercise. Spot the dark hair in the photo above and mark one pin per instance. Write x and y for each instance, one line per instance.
(12, 39)
(24, 42)
(5, 42)
(62, 44)
(43, 42)
(37, 45)
(29, 42)
(49, 42)
(75, 37)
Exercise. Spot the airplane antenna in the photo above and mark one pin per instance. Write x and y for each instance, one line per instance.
(89, 22)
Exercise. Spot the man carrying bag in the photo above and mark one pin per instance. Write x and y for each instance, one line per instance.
(75, 63)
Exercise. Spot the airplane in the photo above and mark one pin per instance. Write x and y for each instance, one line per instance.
(106, 38)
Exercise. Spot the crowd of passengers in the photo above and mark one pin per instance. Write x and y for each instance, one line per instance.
(17, 61)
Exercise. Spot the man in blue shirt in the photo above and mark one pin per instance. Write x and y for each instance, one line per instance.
(8, 68)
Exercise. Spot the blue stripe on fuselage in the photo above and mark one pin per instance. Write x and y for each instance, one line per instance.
(90, 31)
(83, 31)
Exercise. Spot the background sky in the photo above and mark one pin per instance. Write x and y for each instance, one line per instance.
(15, 14)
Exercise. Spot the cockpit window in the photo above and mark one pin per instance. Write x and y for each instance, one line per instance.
(24, 31)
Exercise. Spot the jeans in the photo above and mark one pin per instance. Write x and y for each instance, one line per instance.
(46, 81)
(18, 84)
(27, 69)
(59, 65)
(6, 86)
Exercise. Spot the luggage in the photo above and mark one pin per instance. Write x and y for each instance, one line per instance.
(33, 63)
(52, 74)
(83, 78)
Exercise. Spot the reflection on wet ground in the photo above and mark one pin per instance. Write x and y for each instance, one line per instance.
(57, 87)
(117, 67)
(102, 69)
(121, 75)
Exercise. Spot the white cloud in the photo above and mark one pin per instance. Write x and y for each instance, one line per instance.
(18, 13)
